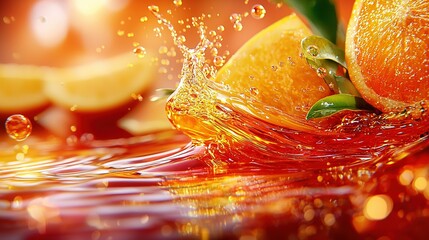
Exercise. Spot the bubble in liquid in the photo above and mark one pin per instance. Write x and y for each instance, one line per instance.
(258, 11)
(18, 127)
(321, 72)
(313, 50)
(140, 51)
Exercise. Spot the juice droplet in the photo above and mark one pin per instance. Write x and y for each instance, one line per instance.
(140, 51)
(235, 17)
(177, 3)
(321, 72)
(181, 39)
(120, 33)
(221, 28)
(258, 11)
(163, 50)
(212, 33)
(218, 61)
(153, 8)
(18, 127)
(143, 19)
(238, 26)
(313, 50)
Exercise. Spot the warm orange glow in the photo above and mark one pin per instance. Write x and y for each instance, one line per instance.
(378, 207)
(406, 177)
(420, 184)
(49, 22)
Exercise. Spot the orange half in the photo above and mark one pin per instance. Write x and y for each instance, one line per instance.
(387, 52)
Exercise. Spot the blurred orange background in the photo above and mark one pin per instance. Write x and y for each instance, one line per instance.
(77, 32)
(64, 33)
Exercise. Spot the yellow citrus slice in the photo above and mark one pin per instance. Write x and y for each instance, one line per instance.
(387, 52)
(100, 85)
(21, 88)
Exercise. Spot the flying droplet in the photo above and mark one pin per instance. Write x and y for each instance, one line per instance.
(120, 33)
(177, 3)
(143, 19)
(218, 61)
(163, 50)
(313, 50)
(258, 11)
(18, 127)
(153, 8)
(181, 39)
(140, 51)
(235, 17)
(238, 26)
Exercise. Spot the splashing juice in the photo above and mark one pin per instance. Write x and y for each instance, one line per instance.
(242, 175)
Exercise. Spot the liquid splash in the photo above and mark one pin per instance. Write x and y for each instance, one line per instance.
(229, 125)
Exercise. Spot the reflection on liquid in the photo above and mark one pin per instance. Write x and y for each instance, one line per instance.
(158, 185)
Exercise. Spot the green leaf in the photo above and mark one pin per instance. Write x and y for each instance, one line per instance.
(316, 47)
(327, 70)
(336, 103)
(321, 15)
(346, 86)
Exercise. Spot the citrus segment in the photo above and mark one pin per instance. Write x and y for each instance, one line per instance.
(21, 88)
(387, 52)
(101, 85)
(269, 69)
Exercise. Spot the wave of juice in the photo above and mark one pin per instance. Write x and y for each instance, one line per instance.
(227, 123)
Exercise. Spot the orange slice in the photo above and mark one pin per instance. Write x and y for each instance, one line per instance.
(21, 88)
(387, 52)
(269, 68)
(101, 85)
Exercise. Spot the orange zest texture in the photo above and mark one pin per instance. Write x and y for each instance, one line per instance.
(387, 52)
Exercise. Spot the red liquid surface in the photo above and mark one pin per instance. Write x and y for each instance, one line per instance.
(159, 186)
